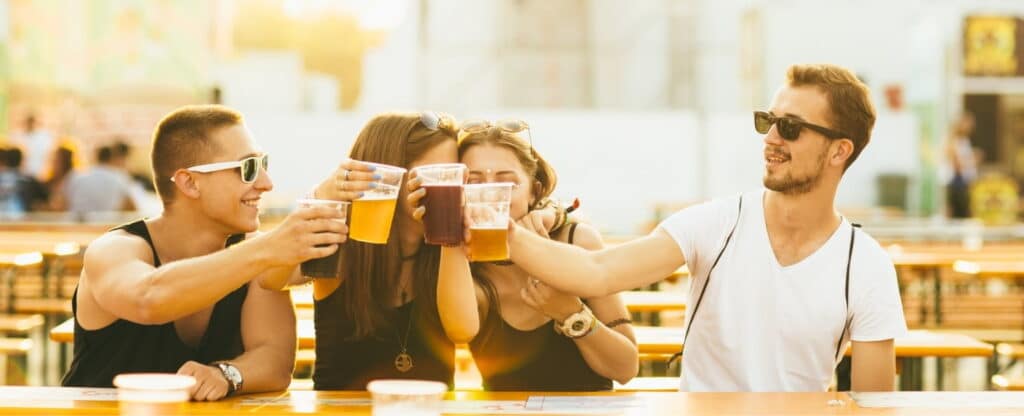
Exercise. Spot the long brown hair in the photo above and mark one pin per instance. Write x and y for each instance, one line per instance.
(539, 170)
(372, 271)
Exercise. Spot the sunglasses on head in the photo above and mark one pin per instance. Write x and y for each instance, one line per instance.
(789, 128)
(507, 125)
(434, 121)
(249, 168)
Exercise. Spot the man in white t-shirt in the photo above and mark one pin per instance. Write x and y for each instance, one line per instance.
(38, 145)
(792, 280)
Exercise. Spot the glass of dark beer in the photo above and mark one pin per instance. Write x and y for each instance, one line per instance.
(442, 223)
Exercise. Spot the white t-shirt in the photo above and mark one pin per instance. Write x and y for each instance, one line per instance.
(765, 327)
(38, 145)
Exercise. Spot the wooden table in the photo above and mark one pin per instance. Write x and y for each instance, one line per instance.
(909, 350)
(57, 400)
(933, 259)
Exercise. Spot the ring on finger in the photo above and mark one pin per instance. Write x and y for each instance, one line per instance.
(346, 174)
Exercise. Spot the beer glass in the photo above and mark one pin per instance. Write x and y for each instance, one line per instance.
(488, 207)
(373, 212)
(325, 266)
(442, 223)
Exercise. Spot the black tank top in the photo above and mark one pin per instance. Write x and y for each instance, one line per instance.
(534, 360)
(344, 363)
(128, 347)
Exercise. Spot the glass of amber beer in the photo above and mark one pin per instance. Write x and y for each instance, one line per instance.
(373, 212)
(442, 223)
(487, 205)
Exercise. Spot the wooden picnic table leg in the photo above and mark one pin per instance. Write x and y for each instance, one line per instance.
(911, 378)
(937, 273)
(8, 276)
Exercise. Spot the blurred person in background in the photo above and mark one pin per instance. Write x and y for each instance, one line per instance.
(105, 187)
(38, 143)
(963, 164)
(515, 325)
(11, 203)
(19, 193)
(62, 164)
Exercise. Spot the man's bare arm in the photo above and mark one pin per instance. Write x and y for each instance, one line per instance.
(268, 334)
(591, 274)
(874, 366)
(123, 281)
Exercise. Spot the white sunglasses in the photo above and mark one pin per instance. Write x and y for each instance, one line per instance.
(249, 168)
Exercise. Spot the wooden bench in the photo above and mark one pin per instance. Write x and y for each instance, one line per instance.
(15, 346)
(20, 323)
(19, 347)
(1003, 383)
(41, 305)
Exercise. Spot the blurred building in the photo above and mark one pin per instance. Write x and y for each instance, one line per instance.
(663, 85)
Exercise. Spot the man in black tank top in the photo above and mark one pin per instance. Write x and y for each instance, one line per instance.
(164, 295)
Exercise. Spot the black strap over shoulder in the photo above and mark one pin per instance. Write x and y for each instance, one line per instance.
(739, 212)
(846, 293)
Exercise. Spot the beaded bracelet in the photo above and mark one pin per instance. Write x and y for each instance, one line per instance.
(618, 322)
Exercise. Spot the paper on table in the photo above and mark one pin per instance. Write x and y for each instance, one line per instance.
(941, 399)
(58, 393)
(535, 405)
(592, 403)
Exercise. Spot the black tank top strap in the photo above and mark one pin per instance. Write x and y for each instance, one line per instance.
(139, 229)
(572, 232)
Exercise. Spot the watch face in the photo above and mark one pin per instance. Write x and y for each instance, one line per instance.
(577, 326)
(232, 373)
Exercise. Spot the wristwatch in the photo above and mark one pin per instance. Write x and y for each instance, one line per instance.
(578, 324)
(232, 375)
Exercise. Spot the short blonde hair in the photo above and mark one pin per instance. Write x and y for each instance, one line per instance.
(182, 139)
(849, 100)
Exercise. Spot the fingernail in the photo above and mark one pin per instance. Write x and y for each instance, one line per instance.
(373, 184)
(372, 168)
(361, 194)
(377, 176)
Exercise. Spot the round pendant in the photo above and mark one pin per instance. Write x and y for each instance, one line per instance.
(403, 362)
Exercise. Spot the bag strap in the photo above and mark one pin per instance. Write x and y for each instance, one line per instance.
(846, 294)
(700, 298)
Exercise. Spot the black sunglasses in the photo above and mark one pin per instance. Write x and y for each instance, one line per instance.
(790, 128)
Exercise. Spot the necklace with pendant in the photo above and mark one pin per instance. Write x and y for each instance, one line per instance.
(403, 361)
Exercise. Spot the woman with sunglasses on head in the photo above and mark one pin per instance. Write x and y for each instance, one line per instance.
(379, 318)
(525, 335)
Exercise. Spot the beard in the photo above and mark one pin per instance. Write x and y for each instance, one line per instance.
(793, 185)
